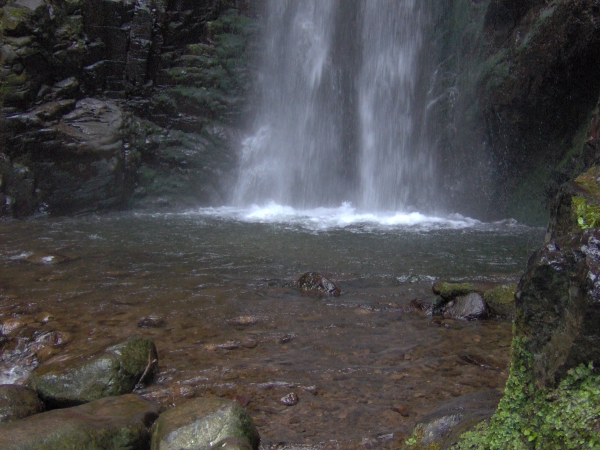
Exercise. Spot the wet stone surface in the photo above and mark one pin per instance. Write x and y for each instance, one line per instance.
(365, 366)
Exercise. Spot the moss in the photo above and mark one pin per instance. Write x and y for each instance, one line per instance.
(562, 418)
(587, 215)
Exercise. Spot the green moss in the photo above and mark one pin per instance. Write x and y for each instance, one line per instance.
(562, 418)
(587, 215)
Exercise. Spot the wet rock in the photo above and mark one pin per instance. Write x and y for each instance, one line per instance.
(11, 325)
(576, 206)
(501, 300)
(232, 444)
(401, 409)
(421, 305)
(152, 322)
(448, 291)
(110, 423)
(467, 307)
(289, 400)
(442, 428)
(17, 402)
(558, 306)
(243, 321)
(314, 282)
(46, 259)
(199, 423)
(115, 371)
(44, 317)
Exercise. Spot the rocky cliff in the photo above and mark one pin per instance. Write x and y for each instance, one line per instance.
(105, 104)
(516, 85)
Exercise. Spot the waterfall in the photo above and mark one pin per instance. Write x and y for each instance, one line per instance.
(341, 108)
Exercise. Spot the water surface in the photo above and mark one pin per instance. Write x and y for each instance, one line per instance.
(218, 286)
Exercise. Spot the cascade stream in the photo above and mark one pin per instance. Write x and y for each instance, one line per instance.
(341, 108)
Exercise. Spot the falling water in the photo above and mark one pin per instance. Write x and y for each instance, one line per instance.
(340, 114)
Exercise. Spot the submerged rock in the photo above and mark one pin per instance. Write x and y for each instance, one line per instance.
(442, 428)
(199, 423)
(17, 402)
(314, 282)
(114, 371)
(110, 423)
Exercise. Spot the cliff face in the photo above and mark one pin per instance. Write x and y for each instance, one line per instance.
(106, 103)
(518, 82)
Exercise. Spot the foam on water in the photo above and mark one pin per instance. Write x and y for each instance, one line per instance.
(344, 216)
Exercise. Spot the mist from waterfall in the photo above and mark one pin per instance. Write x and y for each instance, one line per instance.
(341, 108)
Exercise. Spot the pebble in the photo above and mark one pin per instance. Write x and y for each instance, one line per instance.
(11, 325)
(152, 321)
(44, 317)
(401, 409)
(44, 259)
(244, 321)
(289, 400)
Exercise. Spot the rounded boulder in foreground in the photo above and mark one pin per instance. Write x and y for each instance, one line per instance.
(201, 423)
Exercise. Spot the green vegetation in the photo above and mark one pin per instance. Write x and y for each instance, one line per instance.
(565, 417)
(586, 214)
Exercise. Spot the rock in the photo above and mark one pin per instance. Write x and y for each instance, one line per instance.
(448, 291)
(232, 444)
(314, 282)
(501, 300)
(152, 322)
(17, 402)
(46, 259)
(467, 307)
(289, 400)
(10, 325)
(442, 428)
(115, 371)
(199, 423)
(576, 206)
(558, 306)
(110, 423)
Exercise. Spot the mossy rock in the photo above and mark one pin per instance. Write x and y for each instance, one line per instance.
(200, 423)
(577, 205)
(552, 395)
(114, 371)
(449, 290)
(17, 402)
(114, 423)
(501, 300)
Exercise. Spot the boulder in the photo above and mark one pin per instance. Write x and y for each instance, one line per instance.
(314, 282)
(115, 371)
(107, 424)
(205, 424)
(442, 428)
(17, 402)
(449, 290)
(558, 306)
(467, 307)
(501, 300)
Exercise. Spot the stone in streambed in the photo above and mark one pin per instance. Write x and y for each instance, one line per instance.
(17, 402)
(442, 428)
(314, 282)
(448, 291)
(106, 424)
(203, 423)
(467, 307)
(114, 371)
(501, 300)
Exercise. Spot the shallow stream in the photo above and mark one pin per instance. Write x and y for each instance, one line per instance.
(214, 289)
